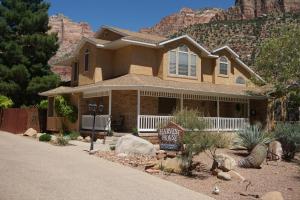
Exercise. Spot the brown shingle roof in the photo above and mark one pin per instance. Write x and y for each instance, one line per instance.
(134, 81)
(142, 37)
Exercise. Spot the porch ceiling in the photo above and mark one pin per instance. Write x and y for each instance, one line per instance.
(150, 83)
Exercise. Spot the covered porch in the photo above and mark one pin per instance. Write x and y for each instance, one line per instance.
(145, 111)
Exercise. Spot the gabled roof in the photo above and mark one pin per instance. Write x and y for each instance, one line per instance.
(238, 60)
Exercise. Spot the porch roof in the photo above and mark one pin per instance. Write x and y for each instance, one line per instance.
(151, 83)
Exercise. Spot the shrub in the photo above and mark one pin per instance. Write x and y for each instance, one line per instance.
(45, 137)
(74, 135)
(289, 137)
(64, 108)
(251, 136)
(224, 140)
(62, 141)
(135, 132)
(189, 119)
(43, 105)
(5, 102)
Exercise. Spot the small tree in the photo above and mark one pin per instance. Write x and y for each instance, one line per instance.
(195, 140)
(278, 63)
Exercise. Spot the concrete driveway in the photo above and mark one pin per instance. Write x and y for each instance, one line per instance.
(32, 170)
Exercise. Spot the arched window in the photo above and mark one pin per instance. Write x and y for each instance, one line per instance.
(86, 60)
(223, 65)
(182, 62)
(240, 80)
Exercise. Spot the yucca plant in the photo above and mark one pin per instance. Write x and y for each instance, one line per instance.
(251, 136)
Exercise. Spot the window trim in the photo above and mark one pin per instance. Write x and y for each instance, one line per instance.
(189, 53)
(219, 68)
(86, 64)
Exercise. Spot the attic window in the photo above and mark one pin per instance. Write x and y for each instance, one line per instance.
(182, 62)
(86, 60)
(240, 80)
(223, 66)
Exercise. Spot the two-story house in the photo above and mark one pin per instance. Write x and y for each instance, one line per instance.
(140, 79)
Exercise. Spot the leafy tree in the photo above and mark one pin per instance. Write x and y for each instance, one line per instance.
(279, 64)
(5, 102)
(25, 48)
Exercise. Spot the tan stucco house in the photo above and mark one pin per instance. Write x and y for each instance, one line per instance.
(141, 79)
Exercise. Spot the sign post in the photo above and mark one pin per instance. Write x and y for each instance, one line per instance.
(171, 137)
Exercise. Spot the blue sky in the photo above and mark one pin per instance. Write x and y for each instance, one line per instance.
(129, 14)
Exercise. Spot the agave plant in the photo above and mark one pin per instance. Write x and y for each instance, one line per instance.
(251, 136)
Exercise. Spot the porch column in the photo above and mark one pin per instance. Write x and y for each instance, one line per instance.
(138, 109)
(218, 114)
(109, 109)
(181, 102)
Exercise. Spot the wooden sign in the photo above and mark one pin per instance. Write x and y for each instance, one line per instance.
(170, 137)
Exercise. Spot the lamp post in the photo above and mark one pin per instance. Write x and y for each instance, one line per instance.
(92, 109)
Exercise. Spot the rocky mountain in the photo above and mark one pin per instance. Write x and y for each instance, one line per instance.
(242, 10)
(243, 36)
(186, 17)
(69, 34)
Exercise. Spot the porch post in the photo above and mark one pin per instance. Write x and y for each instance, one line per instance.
(248, 109)
(109, 109)
(181, 102)
(218, 114)
(138, 109)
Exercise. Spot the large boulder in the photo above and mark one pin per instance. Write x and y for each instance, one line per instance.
(30, 132)
(272, 196)
(130, 144)
(275, 150)
(224, 162)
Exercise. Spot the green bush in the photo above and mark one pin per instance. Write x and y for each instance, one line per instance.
(62, 141)
(251, 136)
(74, 135)
(45, 137)
(189, 119)
(64, 108)
(135, 132)
(43, 105)
(5, 102)
(289, 137)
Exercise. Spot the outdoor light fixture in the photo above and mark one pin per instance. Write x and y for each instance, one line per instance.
(92, 109)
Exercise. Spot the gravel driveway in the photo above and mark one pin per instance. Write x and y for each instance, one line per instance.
(32, 170)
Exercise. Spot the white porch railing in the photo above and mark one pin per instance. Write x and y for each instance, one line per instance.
(102, 122)
(150, 123)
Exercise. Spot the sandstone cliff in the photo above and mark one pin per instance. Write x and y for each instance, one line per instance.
(242, 10)
(69, 34)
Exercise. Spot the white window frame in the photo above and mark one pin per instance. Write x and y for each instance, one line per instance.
(222, 62)
(189, 52)
(240, 77)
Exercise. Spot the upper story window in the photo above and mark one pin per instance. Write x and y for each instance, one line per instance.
(75, 71)
(223, 66)
(86, 60)
(240, 80)
(182, 62)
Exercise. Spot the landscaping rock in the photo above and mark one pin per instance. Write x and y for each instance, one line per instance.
(122, 155)
(224, 162)
(161, 154)
(80, 138)
(87, 139)
(224, 176)
(275, 151)
(30, 132)
(172, 165)
(215, 172)
(275, 195)
(130, 144)
(152, 171)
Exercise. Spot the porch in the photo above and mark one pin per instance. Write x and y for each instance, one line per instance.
(148, 110)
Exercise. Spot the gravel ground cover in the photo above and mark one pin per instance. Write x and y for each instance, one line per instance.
(273, 176)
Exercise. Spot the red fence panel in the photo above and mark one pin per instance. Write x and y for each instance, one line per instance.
(18, 120)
